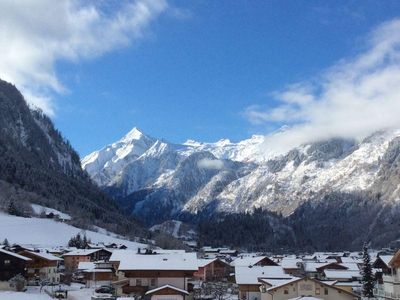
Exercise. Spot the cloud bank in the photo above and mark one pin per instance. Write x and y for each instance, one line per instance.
(210, 164)
(34, 35)
(353, 99)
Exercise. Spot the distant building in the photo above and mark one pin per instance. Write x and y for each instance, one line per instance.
(212, 269)
(73, 258)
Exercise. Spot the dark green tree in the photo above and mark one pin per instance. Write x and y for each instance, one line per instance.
(368, 280)
(6, 243)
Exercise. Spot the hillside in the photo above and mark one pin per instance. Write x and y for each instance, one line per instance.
(37, 165)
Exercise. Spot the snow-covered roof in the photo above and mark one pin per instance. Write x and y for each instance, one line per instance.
(46, 255)
(313, 266)
(351, 266)
(386, 258)
(173, 261)
(278, 282)
(245, 261)
(167, 286)
(341, 274)
(14, 254)
(205, 262)
(86, 265)
(290, 263)
(246, 275)
(97, 271)
(82, 252)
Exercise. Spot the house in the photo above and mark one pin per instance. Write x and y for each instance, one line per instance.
(73, 258)
(389, 288)
(11, 264)
(43, 266)
(159, 275)
(303, 288)
(382, 262)
(96, 274)
(212, 269)
(249, 279)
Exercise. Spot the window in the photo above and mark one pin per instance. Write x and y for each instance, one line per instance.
(326, 291)
(7, 262)
(317, 291)
(138, 282)
(152, 282)
(286, 291)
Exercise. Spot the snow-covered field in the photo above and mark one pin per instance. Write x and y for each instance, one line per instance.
(49, 233)
(32, 293)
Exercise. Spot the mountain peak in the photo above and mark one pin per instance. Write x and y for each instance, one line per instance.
(134, 134)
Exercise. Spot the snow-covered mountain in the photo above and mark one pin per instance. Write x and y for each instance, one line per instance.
(158, 180)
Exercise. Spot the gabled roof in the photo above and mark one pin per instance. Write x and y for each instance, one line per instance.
(385, 259)
(173, 261)
(205, 262)
(245, 261)
(86, 265)
(314, 280)
(82, 252)
(339, 274)
(252, 275)
(43, 255)
(15, 255)
(167, 286)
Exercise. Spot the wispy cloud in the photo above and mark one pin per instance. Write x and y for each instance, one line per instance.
(352, 99)
(34, 35)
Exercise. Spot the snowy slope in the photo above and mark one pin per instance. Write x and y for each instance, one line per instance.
(236, 177)
(48, 233)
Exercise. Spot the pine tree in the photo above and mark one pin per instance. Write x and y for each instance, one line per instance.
(368, 278)
(6, 243)
(12, 209)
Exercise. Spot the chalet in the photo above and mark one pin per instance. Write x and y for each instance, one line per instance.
(249, 279)
(389, 288)
(42, 266)
(96, 274)
(73, 258)
(11, 264)
(212, 269)
(155, 275)
(382, 263)
(303, 288)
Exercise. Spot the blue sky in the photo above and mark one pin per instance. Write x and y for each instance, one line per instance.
(199, 65)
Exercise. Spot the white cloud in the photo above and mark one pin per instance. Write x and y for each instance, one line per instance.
(353, 99)
(210, 164)
(34, 35)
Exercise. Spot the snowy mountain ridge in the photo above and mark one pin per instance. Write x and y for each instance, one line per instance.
(164, 180)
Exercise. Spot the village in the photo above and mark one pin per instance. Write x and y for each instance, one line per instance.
(115, 271)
